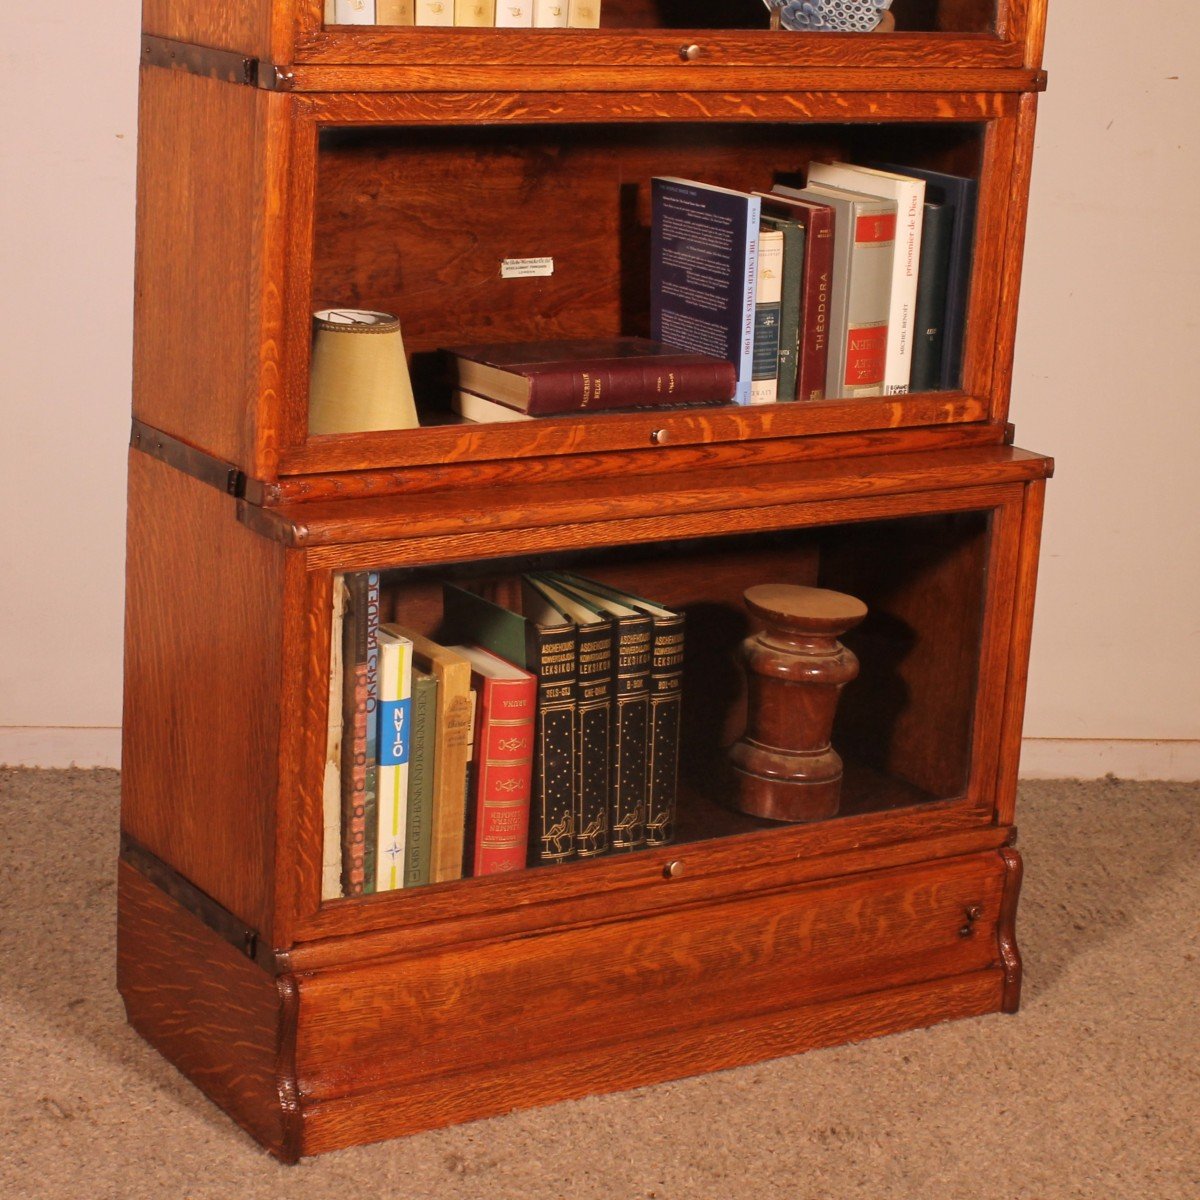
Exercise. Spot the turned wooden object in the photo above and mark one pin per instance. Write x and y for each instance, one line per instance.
(783, 766)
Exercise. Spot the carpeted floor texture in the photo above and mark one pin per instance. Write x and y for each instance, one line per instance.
(1092, 1090)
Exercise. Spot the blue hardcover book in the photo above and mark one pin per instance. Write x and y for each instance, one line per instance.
(959, 195)
(704, 270)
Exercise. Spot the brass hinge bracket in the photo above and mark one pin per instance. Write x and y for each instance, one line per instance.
(229, 66)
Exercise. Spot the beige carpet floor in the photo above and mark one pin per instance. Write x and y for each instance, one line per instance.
(1092, 1090)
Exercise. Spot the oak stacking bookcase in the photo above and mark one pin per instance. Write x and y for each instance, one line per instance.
(287, 166)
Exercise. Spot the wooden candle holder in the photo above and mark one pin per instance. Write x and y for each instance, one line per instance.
(784, 767)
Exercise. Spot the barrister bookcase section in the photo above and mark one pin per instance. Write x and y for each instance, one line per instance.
(287, 164)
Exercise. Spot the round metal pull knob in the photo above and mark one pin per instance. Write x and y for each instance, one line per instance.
(673, 870)
(660, 437)
(689, 53)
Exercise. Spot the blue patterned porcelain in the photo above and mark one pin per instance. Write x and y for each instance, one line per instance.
(829, 16)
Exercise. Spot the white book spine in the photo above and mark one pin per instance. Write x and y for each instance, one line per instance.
(550, 14)
(395, 753)
(749, 289)
(331, 788)
(768, 295)
(514, 14)
(909, 195)
(434, 12)
(583, 14)
(354, 12)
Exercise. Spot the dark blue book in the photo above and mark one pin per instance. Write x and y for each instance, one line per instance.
(703, 271)
(959, 195)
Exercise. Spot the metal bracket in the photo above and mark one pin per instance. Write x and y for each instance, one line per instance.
(229, 66)
(220, 920)
(224, 476)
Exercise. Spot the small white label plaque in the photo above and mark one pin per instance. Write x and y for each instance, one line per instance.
(524, 268)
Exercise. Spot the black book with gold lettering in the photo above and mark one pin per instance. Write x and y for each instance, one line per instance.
(594, 815)
(631, 643)
(544, 643)
(664, 689)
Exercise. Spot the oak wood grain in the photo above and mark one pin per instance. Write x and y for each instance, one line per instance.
(1019, 641)
(221, 1019)
(465, 1008)
(209, 211)
(203, 708)
(654, 65)
(372, 1116)
(686, 496)
(347, 934)
(348, 485)
(667, 434)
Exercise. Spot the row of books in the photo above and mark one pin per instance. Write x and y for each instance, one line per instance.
(854, 285)
(549, 732)
(500, 14)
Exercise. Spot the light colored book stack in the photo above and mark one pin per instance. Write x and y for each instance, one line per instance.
(486, 14)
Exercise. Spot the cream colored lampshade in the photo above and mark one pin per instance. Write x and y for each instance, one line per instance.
(359, 379)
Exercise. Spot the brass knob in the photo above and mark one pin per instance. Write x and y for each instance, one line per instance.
(673, 870)
(689, 53)
(660, 437)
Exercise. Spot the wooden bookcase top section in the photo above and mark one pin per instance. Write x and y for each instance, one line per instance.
(933, 35)
(256, 198)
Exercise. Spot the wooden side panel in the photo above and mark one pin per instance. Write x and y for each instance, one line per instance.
(479, 1007)
(222, 1020)
(203, 671)
(209, 203)
(243, 25)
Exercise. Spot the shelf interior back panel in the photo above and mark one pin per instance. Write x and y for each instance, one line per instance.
(417, 222)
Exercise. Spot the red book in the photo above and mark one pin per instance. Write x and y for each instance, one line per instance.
(569, 376)
(502, 763)
(817, 220)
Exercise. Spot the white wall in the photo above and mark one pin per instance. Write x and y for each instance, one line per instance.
(1108, 380)
(68, 77)
(1107, 368)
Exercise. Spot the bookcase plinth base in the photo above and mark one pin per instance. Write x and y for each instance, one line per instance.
(362, 1051)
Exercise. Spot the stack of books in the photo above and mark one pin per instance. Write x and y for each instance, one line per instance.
(532, 735)
(512, 14)
(512, 381)
(855, 285)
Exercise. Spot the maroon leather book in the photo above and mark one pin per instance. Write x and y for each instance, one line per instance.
(572, 375)
(814, 289)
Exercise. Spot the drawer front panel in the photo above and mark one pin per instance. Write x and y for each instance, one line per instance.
(613, 984)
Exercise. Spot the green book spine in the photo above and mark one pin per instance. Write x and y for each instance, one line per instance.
(790, 303)
(419, 837)
(548, 652)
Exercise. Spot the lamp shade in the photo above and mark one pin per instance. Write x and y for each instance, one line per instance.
(359, 377)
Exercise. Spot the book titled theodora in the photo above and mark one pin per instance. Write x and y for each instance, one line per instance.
(583, 375)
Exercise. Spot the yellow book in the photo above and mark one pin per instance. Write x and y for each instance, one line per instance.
(584, 14)
(394, 12)
(475, 12)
